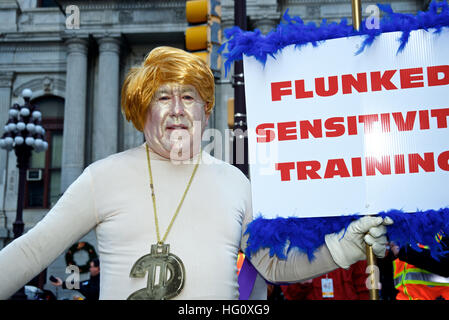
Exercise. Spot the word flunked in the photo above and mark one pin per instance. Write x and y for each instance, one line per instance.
(379, 81)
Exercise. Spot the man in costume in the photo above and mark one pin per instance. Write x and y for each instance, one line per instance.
(170, 219)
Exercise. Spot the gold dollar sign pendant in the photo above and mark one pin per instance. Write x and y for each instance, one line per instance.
(166, 274)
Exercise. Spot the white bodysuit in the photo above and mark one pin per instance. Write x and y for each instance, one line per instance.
(113, 196)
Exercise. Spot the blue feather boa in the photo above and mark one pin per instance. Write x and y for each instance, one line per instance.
(294, 31)
(307, 234)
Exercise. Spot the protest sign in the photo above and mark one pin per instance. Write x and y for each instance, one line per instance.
(333, 133)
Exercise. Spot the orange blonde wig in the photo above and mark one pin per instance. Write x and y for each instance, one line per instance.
(164, 65)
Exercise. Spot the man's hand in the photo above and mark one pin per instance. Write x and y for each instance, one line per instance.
(394, 248)
(58, 283)
(348, 247)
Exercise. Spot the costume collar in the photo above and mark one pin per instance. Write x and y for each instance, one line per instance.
(155, 156)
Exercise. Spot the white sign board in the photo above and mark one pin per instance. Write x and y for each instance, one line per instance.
(333, 133)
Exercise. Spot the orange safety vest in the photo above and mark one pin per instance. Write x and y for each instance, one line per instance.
(418, 284)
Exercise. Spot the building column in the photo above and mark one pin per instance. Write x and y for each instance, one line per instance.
(74, 112)
(5, 103)
(6, 79)
(105, 124)
(266, 24)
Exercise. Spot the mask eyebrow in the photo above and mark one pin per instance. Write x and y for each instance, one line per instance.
(175, 89)
(163, 90)
(189, 89)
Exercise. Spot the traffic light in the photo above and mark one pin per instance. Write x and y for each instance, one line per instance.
(203, 36)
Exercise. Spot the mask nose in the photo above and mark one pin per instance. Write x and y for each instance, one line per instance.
(177, 109)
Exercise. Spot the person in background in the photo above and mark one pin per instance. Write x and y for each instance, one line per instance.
(90, 289)
(387, 290)
(274, 293)
(419, 276)
(340, 284)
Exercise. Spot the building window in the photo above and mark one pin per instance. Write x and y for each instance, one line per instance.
(43, 190)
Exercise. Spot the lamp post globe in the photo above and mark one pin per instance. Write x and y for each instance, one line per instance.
(27, 93)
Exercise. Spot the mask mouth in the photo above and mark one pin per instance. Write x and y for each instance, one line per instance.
(176, 126)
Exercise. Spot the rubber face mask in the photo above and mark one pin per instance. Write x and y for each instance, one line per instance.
(175, 121)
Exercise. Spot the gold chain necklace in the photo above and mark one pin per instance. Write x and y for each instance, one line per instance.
(170, 280)
(153, 196)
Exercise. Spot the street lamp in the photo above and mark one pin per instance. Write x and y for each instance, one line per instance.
(23, 132)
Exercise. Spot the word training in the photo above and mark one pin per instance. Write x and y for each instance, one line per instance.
(356, 167)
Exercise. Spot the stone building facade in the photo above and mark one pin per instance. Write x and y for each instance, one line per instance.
(76, 72)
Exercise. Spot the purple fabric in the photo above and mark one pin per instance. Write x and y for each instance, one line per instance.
(247, 278)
